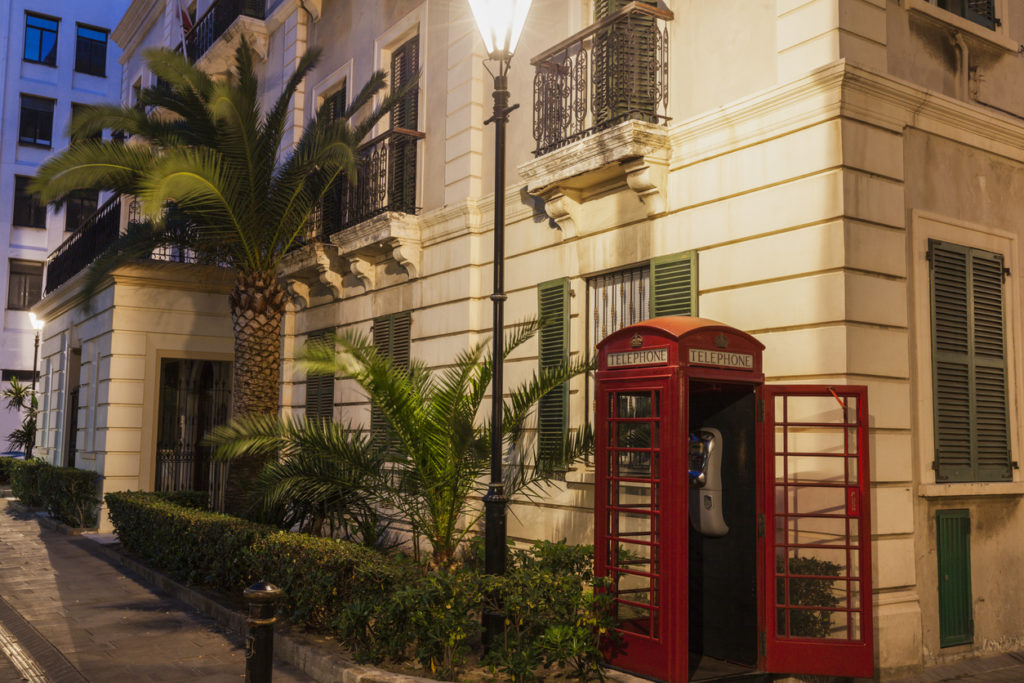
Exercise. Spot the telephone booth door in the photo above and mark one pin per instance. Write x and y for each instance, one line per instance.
(638, 494)
(817, 562)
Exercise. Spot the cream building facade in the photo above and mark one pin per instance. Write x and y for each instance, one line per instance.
(838, 178)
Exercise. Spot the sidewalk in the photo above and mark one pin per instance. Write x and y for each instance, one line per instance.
(1008, 666)
(80, 618)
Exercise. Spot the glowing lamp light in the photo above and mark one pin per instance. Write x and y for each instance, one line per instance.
(501, 23)
(37, 323)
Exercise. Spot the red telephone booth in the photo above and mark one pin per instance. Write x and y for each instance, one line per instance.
(731, 516)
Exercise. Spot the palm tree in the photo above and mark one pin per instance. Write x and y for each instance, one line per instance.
(436, 450)
(206, 147)
(21, 398)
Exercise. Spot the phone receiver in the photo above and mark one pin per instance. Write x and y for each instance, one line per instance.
(706, 509)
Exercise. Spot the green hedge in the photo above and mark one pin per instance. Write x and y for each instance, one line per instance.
(384, 606)
(199, 500)
(5, 470)
(195, 546)
(68, 494)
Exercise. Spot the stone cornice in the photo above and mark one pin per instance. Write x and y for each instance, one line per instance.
(135, 24)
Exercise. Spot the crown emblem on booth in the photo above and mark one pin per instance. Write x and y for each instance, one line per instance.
(721, 341)
(636, 341)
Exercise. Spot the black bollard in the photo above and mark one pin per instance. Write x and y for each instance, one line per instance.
(259, 643)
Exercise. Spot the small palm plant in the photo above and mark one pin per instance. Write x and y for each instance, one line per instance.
(437, 449)
(22, 399)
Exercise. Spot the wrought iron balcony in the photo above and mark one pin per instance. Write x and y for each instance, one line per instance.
(100, 230)
(614, 70)
(385, 181)
(215, 22)
(96, 233)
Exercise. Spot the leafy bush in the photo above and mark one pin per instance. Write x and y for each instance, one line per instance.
(5, 470)
(25, 482)
(320, 576)
(69, 494)
(811, 592)
(194, 546)
(552, 614)
(197, 500)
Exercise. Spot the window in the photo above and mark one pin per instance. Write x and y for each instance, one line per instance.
(329, 214)
(25, 286)
(80, 205)
(981, 12)
(41, 39)
(972, 440)
(28, 210)
(391, 337)
(319, 386)
(36, 127)
(91, 51)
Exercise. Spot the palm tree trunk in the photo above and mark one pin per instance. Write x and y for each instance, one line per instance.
(257, 305)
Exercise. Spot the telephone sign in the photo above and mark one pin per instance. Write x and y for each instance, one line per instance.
(731, 516)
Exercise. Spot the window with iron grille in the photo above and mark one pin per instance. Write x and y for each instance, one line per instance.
(80, 205)
(24, 284)
(330, 210)
(319, 385)
(28, 210)
(392, 339)
(41, 39)
(405, 64)
(91, 51)
(979, 11)
(36, 125)
(969, 371)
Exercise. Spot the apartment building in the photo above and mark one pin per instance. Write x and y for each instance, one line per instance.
(57, 56)
(838, 179)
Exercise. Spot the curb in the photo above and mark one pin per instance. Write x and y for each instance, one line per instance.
(301, 651)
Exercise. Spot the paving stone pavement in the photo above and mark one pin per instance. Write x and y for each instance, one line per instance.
(98, 623)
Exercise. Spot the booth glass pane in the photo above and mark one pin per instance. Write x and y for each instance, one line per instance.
(816, 531)
(634, 464)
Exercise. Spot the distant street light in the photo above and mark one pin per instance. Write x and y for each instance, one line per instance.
(500, 22)
(37, 324)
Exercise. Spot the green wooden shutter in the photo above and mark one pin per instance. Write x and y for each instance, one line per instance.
(953, 550)
(392, 339)
(969, 365)
(674, 284)
(319, 386)
(405, 64)
(982, 12)
(553, 409)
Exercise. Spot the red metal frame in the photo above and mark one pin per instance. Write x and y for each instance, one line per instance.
(786, 610)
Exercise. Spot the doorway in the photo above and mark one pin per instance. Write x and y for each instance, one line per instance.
(195, 397)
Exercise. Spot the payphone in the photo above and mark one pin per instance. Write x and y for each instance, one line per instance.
(731, 516)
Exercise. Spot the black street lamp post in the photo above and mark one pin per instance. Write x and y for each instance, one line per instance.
(500, 23)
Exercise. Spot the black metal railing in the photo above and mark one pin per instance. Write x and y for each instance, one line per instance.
(385, 181)
(96, 233)
(215, 22)
(614, 70)
(102, 228)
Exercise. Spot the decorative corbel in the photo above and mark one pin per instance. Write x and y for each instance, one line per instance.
(407, 254)
(362, 270)
(329, 274)
(299, 293)
(647, 177)
(563, 207)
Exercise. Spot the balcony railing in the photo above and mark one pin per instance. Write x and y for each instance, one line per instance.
(614, 70)
(386, 181)
(101, 229)
(215, 22)
(96, 233)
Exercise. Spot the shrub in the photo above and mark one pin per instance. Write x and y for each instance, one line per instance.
(25, 482)
(197, 500)
(194, 546)
(69, 494)
(813, 592)
(321, 576)
(5, 470)
(552, 614)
